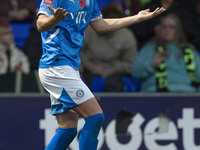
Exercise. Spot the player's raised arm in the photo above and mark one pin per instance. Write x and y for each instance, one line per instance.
(106, 25)
(45, 23)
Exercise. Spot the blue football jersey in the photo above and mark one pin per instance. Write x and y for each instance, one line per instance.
(62, 44)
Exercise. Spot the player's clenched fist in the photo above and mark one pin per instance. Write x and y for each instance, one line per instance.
(59, 13)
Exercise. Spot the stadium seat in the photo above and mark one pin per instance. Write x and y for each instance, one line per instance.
(130, 84)
(7, 82)
(38, 3)
(30, 83)
(98, 84)
(20, 32)
(103, 3)
(18, 82)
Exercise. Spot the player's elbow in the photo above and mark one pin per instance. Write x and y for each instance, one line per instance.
(39, 27)
(100, 26)
(99, 31)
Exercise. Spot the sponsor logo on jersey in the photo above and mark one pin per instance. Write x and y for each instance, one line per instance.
(49, 2)
(45, 6)
(88, 2)
(72, 1)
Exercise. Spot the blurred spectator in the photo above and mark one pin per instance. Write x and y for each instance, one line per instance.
(196, 30)
(113, 56)
(33, 47)
(144, 2)
(185, 10)
(132, 7)
(15, 75)
(168, 62)
(11, 58)
(197, 7)
(144, 30)
(17, 11)
(197, 21)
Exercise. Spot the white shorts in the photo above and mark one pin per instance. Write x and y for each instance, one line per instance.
(65, 87)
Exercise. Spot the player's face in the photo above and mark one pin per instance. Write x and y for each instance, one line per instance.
(168, 29)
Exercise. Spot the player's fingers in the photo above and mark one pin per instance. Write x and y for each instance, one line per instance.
(159, 10)
(156, 10)
(162, 9)
(147, 10)
(65, 15)
(59, 11)
(63, 12)
(56, 11)
(51, 9)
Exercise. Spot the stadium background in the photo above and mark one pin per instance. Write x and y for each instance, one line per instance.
(134, 121)
(26, 122)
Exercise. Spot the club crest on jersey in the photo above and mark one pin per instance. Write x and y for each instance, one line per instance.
(48, 2)
(79, 93)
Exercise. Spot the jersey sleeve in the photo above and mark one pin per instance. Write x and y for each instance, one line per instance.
(96, 14)
(44, 9)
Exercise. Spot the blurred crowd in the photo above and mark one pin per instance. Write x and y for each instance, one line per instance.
(157, 55)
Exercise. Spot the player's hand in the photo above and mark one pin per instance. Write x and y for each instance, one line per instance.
(59, 13)
(146, 14)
